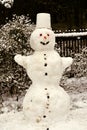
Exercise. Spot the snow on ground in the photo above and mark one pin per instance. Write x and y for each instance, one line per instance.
(77, 119)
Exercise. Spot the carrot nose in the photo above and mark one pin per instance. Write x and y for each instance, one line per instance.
(45, 37)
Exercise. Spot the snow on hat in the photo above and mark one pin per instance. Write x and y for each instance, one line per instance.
(43, 20)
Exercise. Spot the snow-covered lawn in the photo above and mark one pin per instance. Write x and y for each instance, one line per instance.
(77, 119)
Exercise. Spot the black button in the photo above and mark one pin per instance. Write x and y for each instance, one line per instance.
(48, 97)
(47, 129)
(45, 64)
(46, 74)
(44, 54)
(45, 58)
(45, 88)
(44, 116)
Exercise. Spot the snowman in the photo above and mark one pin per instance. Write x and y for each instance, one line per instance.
(45, 103)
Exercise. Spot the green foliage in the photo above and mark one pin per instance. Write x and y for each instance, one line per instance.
(14, 39)
(18, 36)
(79, 66)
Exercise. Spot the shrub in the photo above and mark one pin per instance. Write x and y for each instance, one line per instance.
(14, 39)
(79, 66)
(74, 80)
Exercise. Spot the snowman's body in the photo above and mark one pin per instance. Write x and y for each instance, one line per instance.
(45, 102)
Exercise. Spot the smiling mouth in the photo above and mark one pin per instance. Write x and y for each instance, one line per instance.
(44, 43)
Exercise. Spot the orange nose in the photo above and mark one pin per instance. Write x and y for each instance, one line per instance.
(45, 37)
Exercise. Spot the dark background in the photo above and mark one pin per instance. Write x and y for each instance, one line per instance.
(66, 14)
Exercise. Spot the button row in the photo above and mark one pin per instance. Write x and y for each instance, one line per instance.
(45, 64)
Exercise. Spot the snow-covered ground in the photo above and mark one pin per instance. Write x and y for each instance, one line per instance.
(77, 119)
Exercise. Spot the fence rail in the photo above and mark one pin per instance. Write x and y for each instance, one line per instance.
(71, 43)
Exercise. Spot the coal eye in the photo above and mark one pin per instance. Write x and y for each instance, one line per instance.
(41, 34)
(47, 34)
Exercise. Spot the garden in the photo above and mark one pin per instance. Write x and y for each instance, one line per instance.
(14, 82)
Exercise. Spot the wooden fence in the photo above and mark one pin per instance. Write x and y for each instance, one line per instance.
(72, 43)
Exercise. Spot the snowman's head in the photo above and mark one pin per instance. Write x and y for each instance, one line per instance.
(42, 39)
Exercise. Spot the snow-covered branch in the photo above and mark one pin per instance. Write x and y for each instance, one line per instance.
(71, 34)
(7, 3)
